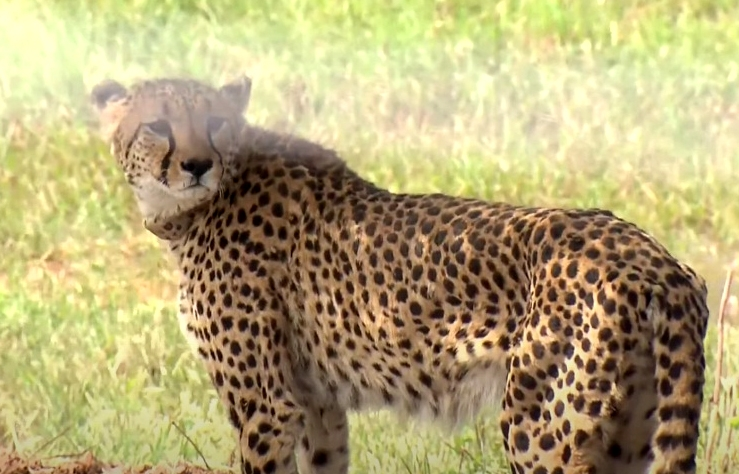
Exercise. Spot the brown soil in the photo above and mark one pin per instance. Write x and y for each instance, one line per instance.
(12, 462)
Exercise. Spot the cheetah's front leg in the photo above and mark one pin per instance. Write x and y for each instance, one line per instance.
(324, 448)
(249, 364)
(267, 439)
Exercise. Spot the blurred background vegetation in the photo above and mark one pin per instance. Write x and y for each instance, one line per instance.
(628, 105)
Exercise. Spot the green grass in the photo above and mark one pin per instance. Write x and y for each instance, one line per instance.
(628, 105)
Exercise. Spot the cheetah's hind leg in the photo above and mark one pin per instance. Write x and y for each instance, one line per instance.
(565, 399)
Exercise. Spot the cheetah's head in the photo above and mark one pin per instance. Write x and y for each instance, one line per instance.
(173, 138)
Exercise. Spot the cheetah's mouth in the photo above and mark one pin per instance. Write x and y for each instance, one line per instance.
(195, 188)
(198, 185)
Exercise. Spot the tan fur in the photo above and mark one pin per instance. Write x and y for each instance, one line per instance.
(309, 292)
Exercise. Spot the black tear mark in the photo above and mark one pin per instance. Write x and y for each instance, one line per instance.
(167, 160)
(130, 143)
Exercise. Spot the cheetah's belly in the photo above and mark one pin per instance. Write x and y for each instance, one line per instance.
(359, 373)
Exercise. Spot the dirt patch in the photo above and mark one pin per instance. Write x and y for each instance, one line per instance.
(12, 462)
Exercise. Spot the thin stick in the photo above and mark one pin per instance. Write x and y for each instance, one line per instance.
(52, 440)
(182, 432)
(721, 316)
(713, 420)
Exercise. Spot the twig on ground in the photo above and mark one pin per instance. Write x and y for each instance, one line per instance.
(197, 449)
(50, 441)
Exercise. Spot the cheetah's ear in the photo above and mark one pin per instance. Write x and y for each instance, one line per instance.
(106, 98)
(105, 92)
(238, 93)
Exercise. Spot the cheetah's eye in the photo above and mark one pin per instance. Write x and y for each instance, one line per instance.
(215, 124)
(160, 127)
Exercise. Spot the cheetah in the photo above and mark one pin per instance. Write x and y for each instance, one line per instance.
(310, 292)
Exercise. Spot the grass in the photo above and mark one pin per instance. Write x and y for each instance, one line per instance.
(629, 105)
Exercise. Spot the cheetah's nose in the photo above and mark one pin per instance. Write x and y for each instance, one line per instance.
(197, 167)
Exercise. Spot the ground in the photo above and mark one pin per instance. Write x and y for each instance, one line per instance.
(11, 462)
(626, 105)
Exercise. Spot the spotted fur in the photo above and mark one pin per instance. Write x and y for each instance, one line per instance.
(309, 292)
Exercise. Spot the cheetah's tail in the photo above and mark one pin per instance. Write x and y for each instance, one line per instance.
(679, 380)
